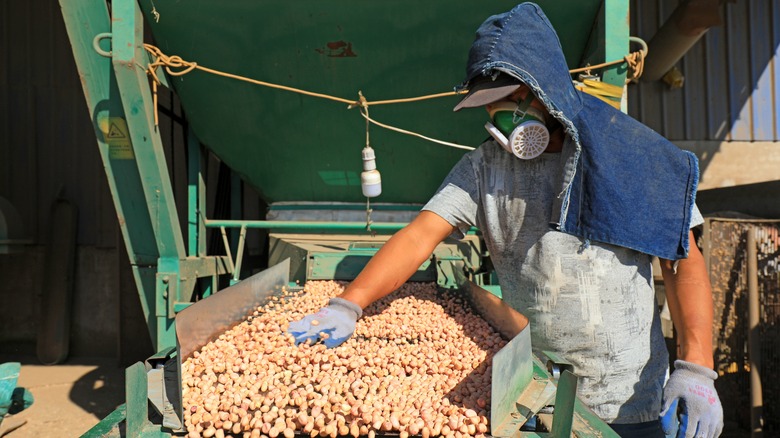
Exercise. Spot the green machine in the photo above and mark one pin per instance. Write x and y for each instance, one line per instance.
(274, 90)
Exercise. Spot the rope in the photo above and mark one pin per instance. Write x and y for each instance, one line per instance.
(635, 61)
(364, 113)
(176, 66)
(175, 62)
(412, 133)
(636, 66)
(169, 62)
(368, 217)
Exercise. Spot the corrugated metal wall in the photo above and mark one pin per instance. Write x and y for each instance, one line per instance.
(47, 143)
(47, 140)
(48, 149)
(732, 82)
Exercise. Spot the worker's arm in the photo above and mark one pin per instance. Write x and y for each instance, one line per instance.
(388, 269)
(689, 295)
(398, 259)
(691, 386)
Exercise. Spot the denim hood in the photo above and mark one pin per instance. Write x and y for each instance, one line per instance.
(623, 183)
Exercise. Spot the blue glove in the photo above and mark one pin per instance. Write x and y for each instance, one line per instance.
(336, 320)
(701, 414)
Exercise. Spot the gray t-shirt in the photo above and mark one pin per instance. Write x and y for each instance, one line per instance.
(589, 302)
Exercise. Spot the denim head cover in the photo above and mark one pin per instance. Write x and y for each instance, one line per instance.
(624, 184)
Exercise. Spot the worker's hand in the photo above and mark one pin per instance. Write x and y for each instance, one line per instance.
(334, 323)
(701, 414)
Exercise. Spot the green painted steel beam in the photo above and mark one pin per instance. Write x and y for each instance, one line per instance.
(167, 289)
(306, 225)
(137, 406)
(84, 20)
(109, 426)
(596, 427)
(311, 226)
(111, 63)
(157, 302)
(137, 422)
(196, 193)
(196, 206)
(346, 265)
(236, 191)
(193, 268)
(348, 207)
(565, 396)
(130, 62)
(609, 41)
(145, 282)
(616, 43)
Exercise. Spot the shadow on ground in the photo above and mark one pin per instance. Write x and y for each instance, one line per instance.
(70, 397)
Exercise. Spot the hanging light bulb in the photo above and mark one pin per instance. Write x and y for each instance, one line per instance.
(370, 180)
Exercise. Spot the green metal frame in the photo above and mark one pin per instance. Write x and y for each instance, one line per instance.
(121, 106)
(120, 103)
(609, 41)
(343, 257)
(165, 269)
(535, 389)
(133, 414)
(318, 140)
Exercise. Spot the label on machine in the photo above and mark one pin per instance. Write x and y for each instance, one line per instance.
(117, 136)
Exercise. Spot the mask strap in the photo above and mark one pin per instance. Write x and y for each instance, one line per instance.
(522, 107)
(501, 106)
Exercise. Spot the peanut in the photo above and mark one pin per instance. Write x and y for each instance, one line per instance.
(419, 362)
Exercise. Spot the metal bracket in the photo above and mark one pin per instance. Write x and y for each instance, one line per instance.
(557, 365)
(96, 44)
(164, 388)
(565, 397)
(535, 397)
(167, 293)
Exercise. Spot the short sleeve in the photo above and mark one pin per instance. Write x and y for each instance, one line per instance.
(696, 217)
(456, 200)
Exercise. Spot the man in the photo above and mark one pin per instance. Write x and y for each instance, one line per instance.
(573, 198)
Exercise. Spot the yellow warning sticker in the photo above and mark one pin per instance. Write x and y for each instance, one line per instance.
(116, 135)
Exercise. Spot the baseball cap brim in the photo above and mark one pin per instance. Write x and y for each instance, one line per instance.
(485, 90)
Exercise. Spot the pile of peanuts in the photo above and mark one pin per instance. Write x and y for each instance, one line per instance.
(419, 363)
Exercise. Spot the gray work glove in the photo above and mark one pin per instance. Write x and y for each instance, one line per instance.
(701, 414)
(337, 320)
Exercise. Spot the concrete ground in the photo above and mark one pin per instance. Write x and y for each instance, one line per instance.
(70, 398)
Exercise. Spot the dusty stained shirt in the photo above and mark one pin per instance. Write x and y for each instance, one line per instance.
(591, 303)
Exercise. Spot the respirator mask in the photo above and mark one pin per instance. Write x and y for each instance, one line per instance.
(524, 125)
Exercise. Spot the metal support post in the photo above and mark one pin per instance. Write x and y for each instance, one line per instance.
(130, 62)
(196, 191)
(609, 41)
(112, 65)
(754, 339)
(87, 23)
(196, 208)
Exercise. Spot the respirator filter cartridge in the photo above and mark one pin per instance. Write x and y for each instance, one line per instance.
(528, 134)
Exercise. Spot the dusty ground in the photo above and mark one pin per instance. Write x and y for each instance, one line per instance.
(69, 398)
